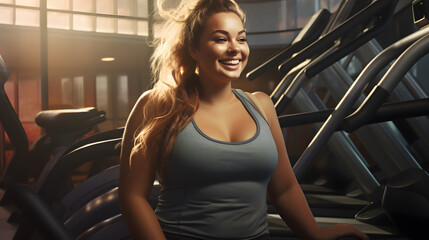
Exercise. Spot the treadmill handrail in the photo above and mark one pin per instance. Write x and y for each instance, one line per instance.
(331, 37)
(346, 103)
(386, 112)
(311, 31)
(317, 66)
(386, 85)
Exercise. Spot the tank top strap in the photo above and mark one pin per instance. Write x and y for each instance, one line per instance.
(248, 103)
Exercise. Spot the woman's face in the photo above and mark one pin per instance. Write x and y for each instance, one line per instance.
(222, 51)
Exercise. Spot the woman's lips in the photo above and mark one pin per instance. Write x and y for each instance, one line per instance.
(231, 64)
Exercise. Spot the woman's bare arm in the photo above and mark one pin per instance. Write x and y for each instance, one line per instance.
(286, 194)
(136, 181)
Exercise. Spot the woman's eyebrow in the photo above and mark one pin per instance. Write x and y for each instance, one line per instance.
(226, 32)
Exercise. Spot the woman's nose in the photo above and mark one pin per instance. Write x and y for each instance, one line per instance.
(234, 48)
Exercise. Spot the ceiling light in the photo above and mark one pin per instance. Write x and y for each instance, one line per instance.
(108, 59)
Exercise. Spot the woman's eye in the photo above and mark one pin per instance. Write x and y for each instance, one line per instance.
(242, 40)
(219, 40)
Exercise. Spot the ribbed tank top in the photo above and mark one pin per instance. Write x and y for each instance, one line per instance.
(213, 189)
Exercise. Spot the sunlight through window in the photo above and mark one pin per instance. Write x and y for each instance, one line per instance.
(101, 93)
(142, 8)
(29, 3)
(125, 8)
(78, 92)
(58, 4)
(27, 17)
(122, 89)
(126, 26)
(6, 15)
(105, 6)
(83, 22)
(128, 17)
(58, 20)
(66, 92)
(105, 25)
(83, 5)
(142, 28)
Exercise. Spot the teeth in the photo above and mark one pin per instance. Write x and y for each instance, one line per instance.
(230, 62)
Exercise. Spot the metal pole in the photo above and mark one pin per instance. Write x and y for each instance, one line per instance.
(44, 54)
(150, 22)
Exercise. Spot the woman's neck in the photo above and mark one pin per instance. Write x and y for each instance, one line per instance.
(215, 94)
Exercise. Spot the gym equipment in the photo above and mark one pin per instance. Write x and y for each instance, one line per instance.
(338, 42)
(54, 180)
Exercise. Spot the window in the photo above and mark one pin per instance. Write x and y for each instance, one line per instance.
(122, 89)
(105, 6)
(83, 6)
(126, 8)
(66, 92)
(101, 93)
(105, 25)
(58, 4)
(58, 20)
(29, 3)
(104, 16)
(83, 22)
(27, 17)
(78, 92)
(6, 15)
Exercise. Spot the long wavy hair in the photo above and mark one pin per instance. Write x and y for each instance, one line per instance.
(173, 100)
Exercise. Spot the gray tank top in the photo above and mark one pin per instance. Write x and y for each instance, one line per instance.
(213, 189)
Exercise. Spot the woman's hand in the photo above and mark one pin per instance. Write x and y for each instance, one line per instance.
(340, 230)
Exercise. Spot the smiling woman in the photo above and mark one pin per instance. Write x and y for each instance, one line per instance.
(222, 52)
(215, 150)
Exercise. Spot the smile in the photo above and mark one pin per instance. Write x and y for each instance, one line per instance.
(229, 62)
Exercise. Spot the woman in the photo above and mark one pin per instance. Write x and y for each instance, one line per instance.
(215, 150)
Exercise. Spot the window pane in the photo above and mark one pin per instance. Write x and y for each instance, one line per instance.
(6, 1)
(157, 28)
(142, 8)
(83, 5)
(101, 93)
(66, 92)
(142, 28)
(58, 20)
(123, 96)
(27, 17)
(106, 25)
(29, 97)
(78, 94)
(58, 4)
(126, 26)
(125, 8)
(105, 6)
(6, 15)
(30, 3)
(83, 22)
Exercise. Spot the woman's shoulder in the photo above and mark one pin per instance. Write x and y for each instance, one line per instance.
(261, 98)
(144, 98)
(264, 103)
(136, 114)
